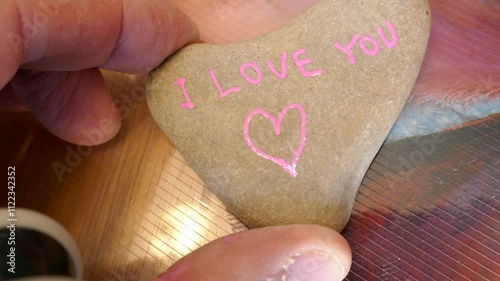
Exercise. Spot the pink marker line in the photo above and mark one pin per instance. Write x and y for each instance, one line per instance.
(289, 167)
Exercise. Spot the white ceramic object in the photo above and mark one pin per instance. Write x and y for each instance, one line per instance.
(31, 220)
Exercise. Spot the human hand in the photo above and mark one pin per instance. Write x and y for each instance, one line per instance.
(51, 50)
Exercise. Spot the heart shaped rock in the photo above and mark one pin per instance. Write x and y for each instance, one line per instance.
(283, 127)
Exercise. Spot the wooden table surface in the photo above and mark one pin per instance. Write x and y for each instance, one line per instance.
(427, 210)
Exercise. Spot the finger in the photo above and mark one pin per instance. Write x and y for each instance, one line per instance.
(278, 253)
(63, 35)
(75, 106)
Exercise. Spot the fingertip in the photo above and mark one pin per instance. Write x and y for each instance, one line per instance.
(298, 252)
(98, 131)
(91, 117)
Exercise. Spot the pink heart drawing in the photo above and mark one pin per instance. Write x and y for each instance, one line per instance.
(290, 167)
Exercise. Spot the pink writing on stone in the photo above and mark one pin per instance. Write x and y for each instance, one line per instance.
(255, 67)
(348, 49)
(245, 68)
(222, 93)
(367, 44)
(289, 167)
(303, 62)
(281, 75)
(394, 36)
(182, 84)
(362, 43)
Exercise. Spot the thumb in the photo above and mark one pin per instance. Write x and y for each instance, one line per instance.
(292, 253)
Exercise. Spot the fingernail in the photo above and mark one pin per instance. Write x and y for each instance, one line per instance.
(314, 266)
